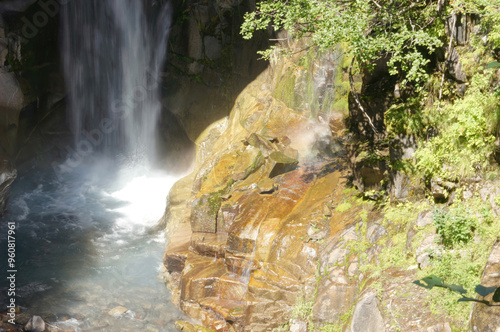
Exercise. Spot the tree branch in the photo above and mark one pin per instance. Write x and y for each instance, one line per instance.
(356, 97)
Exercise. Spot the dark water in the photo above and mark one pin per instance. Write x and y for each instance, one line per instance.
(83, 248)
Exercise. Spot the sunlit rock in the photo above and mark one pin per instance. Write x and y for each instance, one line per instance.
(367, 316)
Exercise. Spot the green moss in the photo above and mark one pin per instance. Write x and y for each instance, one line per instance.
(285, 89)
(343, 207)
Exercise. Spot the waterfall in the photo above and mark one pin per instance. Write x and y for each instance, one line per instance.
(113, 51)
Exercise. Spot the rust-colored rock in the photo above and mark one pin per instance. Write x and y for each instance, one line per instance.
(254, 195)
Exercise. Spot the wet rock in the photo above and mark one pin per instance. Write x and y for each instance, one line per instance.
(247, 163)
(204, 213)
(266, 186)
(327, 211)
(200, 277)
(35, 324)
(261, 143)
(230, 309)
(297, 325)
(228, 215)
(424, 218)
(177, 250)
(487, 318)
(117, 311)
(281, 163)
(367, 316)
(209, 244)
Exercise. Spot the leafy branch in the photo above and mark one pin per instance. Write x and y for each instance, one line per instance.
(432, 281)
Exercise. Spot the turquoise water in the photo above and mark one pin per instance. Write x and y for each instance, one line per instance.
(84, 247)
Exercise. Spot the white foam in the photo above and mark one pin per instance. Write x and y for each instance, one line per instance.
(145, 198)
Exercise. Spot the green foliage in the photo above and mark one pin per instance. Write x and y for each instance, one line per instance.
(465, 139)
(455, 226)
(343, 207)
(432, 281)
(303, 309)
(490, 22)
(406, 30)
(406, 117)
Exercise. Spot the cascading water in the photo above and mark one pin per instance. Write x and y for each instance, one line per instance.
(113, 52)
(83, 246)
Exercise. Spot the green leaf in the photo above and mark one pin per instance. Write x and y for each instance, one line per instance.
(430, 282)
(484, 291)
(493, 64)
(433, 280)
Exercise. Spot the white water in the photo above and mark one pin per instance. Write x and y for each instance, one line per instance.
(83, 248)
(83, 245)
(113, 51)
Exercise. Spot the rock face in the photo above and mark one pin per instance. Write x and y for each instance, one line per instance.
(241, 253)
(487, 318)
(11, 103)
(265, 224)
(208, 63)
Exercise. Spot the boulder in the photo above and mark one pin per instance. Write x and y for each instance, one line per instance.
(367, 316)
(35, 324)
(425, 218)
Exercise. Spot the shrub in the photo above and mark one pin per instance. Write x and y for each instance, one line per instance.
(455, 226)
